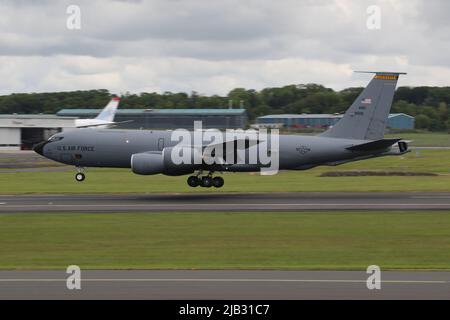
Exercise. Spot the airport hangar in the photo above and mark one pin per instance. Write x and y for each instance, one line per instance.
(400, 121)
(21, 132)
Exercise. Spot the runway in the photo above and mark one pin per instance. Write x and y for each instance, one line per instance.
(218, 201)
(234, 284)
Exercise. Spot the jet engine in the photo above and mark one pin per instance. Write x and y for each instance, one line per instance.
(399, 148)
(148, 163)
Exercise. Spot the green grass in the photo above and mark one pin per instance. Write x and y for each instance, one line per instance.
(310, 240)
(122, 180)
(424, 139)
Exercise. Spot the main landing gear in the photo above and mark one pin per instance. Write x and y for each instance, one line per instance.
(205, 181)
(79, 176)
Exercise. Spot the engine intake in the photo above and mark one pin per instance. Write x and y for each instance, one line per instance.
(402, 146)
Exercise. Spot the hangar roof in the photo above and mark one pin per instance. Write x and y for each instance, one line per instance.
(294, 116)
(400, 114)
(30, 116)
(71, 112)
(35, 121)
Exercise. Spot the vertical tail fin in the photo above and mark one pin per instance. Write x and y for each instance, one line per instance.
(367, 117)
(108, 113)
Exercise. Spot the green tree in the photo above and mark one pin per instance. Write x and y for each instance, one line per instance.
(422, 121)
(443, 111)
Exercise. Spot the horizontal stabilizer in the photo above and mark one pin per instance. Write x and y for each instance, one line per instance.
(374, 145)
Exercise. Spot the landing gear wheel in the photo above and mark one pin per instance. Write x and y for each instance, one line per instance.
(80, 176)
(207, 182)
(218, 182)
(193, 181)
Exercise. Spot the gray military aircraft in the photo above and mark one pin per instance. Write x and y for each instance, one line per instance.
(358, 135)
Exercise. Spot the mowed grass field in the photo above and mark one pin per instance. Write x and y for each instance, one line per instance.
(307, 240)
(123, 180)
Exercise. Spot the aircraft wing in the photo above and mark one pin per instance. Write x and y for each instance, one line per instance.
(243, 143)
(238, 142)
(95, 125)
(120, 122)
(228, 148)
(231, 148)
(110, 124)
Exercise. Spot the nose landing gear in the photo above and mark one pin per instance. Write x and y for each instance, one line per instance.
(205, 181)
(79, 176)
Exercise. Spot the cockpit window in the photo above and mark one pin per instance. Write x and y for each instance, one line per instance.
(55, 138)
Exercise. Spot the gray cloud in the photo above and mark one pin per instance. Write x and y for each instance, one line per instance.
(184, 45)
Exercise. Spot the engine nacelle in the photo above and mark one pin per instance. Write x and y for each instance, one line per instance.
(399, 148)
(147, 163)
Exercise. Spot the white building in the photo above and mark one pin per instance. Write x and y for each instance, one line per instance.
(21, 132)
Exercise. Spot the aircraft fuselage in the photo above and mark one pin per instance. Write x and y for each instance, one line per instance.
(114, 148)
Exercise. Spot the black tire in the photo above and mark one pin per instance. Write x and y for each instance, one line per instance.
(80, 176)
(193, 181)
(207, 182)
(218, 182)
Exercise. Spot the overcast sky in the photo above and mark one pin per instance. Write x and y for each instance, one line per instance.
(214, 46)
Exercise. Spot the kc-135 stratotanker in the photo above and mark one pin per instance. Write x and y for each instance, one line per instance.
(358, 135)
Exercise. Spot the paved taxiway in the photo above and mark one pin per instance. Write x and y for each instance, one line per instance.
(225, 202)
(232, 284)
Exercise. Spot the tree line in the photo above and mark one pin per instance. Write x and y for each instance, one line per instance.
(429, 105)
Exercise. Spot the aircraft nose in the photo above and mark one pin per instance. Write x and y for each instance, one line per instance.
(39, 148)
